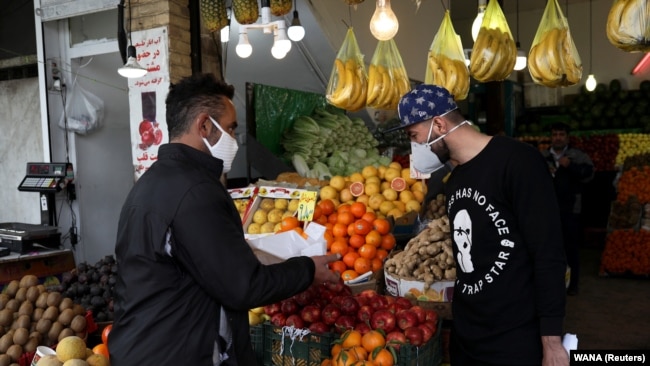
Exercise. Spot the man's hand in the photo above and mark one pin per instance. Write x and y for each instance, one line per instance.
(323, 273)
(554, 352)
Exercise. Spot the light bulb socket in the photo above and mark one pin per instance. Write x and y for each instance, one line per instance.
(132, 68)
(296, 31)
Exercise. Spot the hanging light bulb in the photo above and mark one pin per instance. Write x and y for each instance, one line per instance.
(296, 31)
(244, 48)
(132, 68)
(476, 25)
(591, 82)
(384, 24)
(520, 62)
(281, 40)
(225, 33)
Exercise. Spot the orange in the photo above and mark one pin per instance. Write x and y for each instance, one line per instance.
(376, 264)
(382, 254)
(338, 266)
(360, 353)
(349, 258)
(373, 238)
(329, 238)
(368, 251)
(340, 230)
(101, 349)
(289, 223)
(362, 227)
(388, 241)
(318, 213)
(351, 229)
(356, 189)
(349, 274)
(326, 362)
(340, 247)
(345, 217)
(369, 216)
(362, 265)
(358, 209)
(321, 220)
(351, 338)
(382, 226)
(345, 358)
(327, 206)
(372, 339)
(356, 241)
(336, 349)
(333, 218)
(105, 332)
(382, 358)
(344, 207)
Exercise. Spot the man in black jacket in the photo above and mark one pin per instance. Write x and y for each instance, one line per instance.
(570, 168)
(186, 276)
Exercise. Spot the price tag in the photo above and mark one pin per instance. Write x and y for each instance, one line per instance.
(306, 205)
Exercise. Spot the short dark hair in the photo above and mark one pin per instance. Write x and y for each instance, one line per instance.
(560, 126)
(193, 95)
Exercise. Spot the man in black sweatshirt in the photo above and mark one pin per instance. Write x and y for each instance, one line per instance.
(509, 296)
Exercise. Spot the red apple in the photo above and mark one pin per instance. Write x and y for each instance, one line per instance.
(295, 320)
(279, 320)
(330, 313)
(365, 313)
(383, 319)
(431, 325)
(378, 302)
(362, 328)
(304, 298)
(145, 125)
(343, 323)
(414, 336)
(427, 333)
(336, 287)
(289, 306)
(368, 293)
(395, 339)
(420, 312)
(319, 327)
(272, 309)
(362, 300)
(349, 305)
(310, 313)
(403, 302)
(406, 319)
(431, 315)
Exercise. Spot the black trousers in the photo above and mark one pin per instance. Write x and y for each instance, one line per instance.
(572, 236)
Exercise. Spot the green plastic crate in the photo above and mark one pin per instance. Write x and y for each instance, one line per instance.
(273, 348)
(430, 354)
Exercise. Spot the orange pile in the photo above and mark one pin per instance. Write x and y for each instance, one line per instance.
(368, 349)
(361, 238)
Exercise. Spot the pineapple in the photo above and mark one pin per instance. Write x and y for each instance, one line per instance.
(280, 7)
(245, 11)
(214, 14)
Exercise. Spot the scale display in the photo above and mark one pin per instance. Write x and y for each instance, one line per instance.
(44, 177)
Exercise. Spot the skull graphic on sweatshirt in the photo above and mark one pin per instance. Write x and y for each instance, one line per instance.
(463, 240)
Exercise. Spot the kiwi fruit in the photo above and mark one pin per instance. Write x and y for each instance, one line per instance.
(21, 336)
(6, 317)
(4, 299)
(28, 281)
(41, 301)
(66, 316)
(78, 323)
(51, 313)
(32, 343)
(15, 351)
(5, 342)
(21, 294)
(53, 334)
(12, 305)
(12, 288)
(78, 309)
(37, 335)
(66, 303)
(23, 321)
(5, 360)
(37, 314)
(66, 332)
(43, 326)
(26, 308)
(32, 294)
(54, 299)
(41, 288)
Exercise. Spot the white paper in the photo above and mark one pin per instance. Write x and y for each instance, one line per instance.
(570, 342)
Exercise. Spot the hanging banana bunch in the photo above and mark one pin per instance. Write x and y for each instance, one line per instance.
(494, 52)
(553, 59)
(387, 78)
(214, 14)
(280, 7)
(348, 82)
(628, 25)
(245, 11)
(446, 61)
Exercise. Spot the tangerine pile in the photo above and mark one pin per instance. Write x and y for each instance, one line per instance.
(361, 238)
(368, 349)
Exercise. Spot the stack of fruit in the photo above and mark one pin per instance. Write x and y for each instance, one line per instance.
(387, 190)
(267, 217)
(72, 351)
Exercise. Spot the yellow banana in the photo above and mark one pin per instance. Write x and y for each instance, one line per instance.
(342, 98)
(340, 72)
(373, 90)
(378, 86)
(572, 70)
(360, 100)
(480, 65)
(387, 91)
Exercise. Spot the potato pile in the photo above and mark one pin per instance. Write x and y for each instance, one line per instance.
(31, 316)
(427, 257)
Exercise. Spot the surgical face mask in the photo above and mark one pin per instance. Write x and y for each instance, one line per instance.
(424, 160)
(225, 149)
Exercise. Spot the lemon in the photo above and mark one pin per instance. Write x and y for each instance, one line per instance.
(328, 193)
(267, 204)
(364, 198)
(372, 188)
(400, 205)
(338, 182)
(406, 174)
(281, 203)
(293, 205)
(277, 227)
(346, 196)
(396, 212)
(369, 171)
(419, 196)
(413, 205)
(356, 177)
(392, 173)
(406, 195)
(373, 179)
(287, 214)
(254, 228)
(395, 165)
(375, 200)
(390, 194)
(386, 207)
(419, 186)
(275, 215)
(381, 171)
(267, 228)
(260, 216)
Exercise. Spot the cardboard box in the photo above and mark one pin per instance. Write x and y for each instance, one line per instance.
(438, 291)
(267, 192)
(275, 248)
(46, 265)
(243, 199)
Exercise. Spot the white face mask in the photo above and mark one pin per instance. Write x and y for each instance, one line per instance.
(225, 149)
(424, 160)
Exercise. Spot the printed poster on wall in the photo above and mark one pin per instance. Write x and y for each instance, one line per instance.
(147, 98)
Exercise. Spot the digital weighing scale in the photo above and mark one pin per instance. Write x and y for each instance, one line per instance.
(20, 238)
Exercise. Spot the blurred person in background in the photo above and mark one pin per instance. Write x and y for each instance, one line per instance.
(571, 168)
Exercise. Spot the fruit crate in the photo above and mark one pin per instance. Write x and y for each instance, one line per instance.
(428, 354)
(274, 346)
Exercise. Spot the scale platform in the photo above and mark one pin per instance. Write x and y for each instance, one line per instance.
(20, 237)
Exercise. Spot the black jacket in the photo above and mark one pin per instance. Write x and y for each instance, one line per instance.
(167, 307)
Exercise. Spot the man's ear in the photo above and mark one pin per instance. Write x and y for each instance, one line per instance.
(439, 126)
(202, 124)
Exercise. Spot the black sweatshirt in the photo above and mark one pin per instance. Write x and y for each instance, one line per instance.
(511, 265)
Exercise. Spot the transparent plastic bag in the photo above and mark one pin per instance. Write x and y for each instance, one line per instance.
(347, 87)
(387, 78)
(553, 59)
(628, 25)
(446, 61)
(84, 111)
(494, 53)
